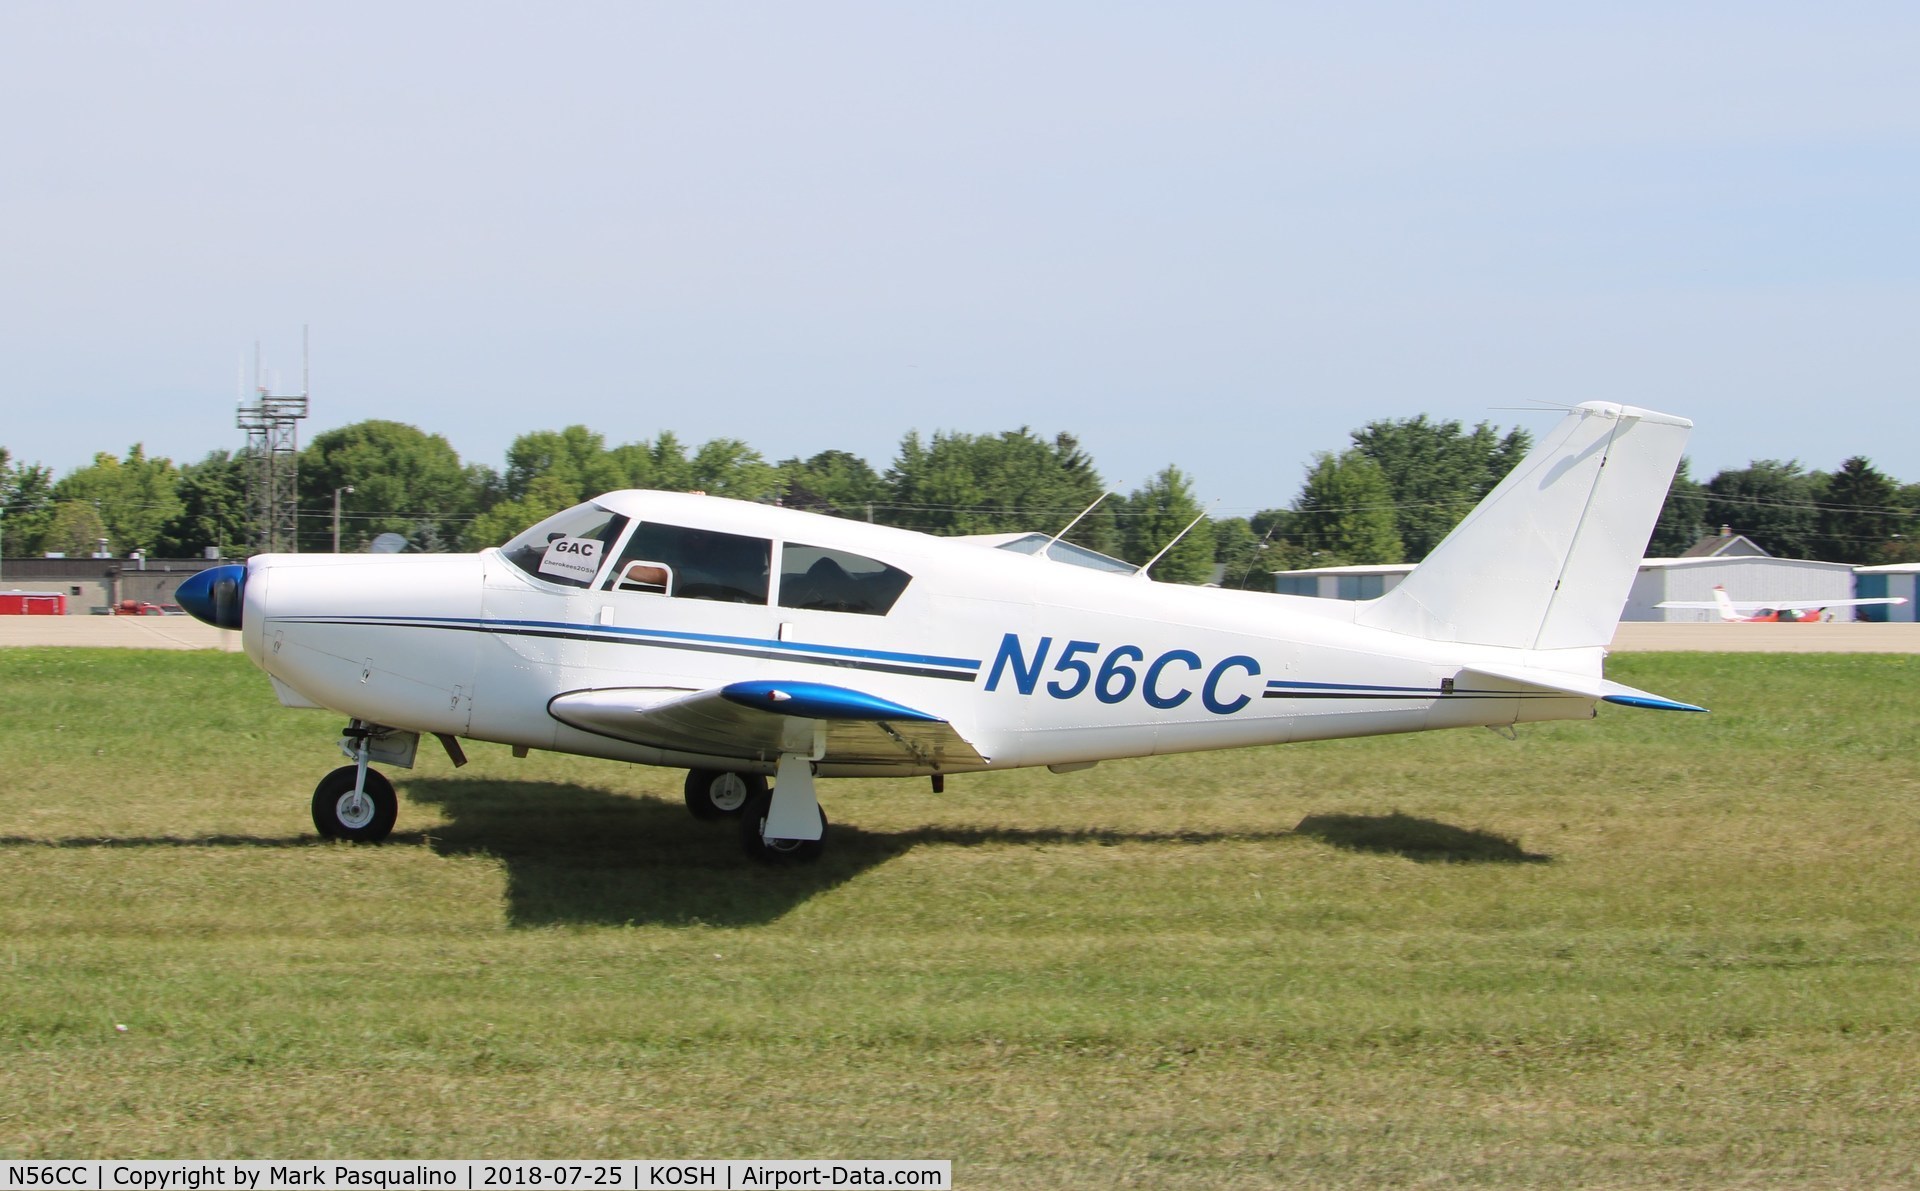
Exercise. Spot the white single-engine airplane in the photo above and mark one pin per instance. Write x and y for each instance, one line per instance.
(1774, 611)
(742, 641)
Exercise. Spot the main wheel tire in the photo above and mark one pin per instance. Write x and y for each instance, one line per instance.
(753, 822)
(720, 793)
(367, 818)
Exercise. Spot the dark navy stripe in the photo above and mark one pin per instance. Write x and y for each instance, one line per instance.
(1403, 693)
(1371, 688)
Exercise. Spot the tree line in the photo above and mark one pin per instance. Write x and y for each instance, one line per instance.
(1389, 497)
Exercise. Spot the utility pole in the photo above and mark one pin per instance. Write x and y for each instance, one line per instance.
(273, 453)
(336, 516)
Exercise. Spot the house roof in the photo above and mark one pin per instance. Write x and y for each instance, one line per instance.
(1725, 544)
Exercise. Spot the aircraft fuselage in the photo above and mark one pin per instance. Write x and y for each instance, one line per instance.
(1033, 661)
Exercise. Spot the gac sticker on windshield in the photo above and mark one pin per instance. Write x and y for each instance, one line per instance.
(577, 559)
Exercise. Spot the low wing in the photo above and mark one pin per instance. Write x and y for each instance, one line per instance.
(1805, 605)
(1782, 605)
(758, 721)
(1603, 689)
(1722, 602)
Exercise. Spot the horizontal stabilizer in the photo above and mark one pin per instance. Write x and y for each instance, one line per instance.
(761, 720)
(1602, 689)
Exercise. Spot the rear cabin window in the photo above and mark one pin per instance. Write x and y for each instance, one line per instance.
(816, 579)
(568, 547)
(693, 564)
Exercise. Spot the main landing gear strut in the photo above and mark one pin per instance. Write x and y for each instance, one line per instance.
(779, 825)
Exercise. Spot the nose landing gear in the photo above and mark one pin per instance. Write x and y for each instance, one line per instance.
(356, 802)
(347, 806)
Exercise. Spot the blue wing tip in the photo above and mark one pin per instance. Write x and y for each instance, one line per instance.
(1651, 703)
(819, 700)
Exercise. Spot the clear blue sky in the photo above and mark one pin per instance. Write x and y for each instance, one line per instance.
(1211, 234)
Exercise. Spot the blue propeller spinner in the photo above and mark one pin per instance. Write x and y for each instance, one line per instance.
(214, 595)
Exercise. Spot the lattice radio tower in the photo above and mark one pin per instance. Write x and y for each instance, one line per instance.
(273, 457)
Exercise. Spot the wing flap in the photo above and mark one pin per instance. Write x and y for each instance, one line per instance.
(757, 721)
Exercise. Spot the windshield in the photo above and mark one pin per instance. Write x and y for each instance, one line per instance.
(568, 547)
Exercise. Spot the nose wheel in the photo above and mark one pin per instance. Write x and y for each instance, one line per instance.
(345, 807)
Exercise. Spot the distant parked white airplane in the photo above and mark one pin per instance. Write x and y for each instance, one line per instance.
(1774, 611)
(742, 641)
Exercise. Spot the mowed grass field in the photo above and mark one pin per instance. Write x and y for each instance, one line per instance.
(1652, 949)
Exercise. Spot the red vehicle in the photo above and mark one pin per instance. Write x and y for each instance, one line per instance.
(137, 608)
(32, 603)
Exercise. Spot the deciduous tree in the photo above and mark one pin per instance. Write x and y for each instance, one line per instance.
(1436, 472)
(1860, 514)
(1153, 515)
(134, 497)
(26, 506)
(1772, 502)
(1344, 514)
(76, 530)
(577, 458)
(729, 467)
(213, 509)
(837, 482)
(1683, 516)
(401, 476)
(967, 483)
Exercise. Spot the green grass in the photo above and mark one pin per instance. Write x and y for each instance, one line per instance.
(1654, 949)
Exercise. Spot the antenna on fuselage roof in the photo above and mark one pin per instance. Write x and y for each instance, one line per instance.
(1142, 572)
(1055, 539)
(1539, 406)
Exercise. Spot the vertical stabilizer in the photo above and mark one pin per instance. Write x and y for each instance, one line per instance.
(1547, 559)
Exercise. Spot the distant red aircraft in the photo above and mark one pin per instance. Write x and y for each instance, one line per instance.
(1774, 611)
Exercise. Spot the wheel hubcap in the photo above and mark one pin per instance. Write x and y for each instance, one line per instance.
(728, 792)
(354, 810)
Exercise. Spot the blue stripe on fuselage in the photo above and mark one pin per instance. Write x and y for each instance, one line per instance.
(923, 665)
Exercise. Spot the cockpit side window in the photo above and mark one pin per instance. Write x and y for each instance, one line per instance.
(568, 547)
(817, 579)
(693, 564)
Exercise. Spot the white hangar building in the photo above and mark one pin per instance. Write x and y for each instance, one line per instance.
(1732, 561)
(1894, 579)
(1728, 560)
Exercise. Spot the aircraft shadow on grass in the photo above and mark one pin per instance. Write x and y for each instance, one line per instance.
(1427, 840)
(584, 856)
(579, 856)
(172, 841)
